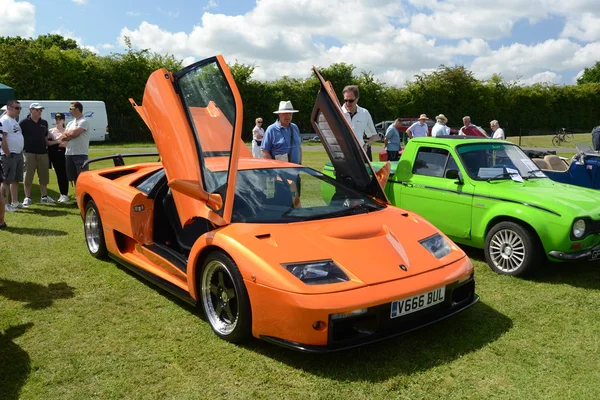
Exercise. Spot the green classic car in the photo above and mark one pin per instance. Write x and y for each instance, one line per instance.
(488, 194)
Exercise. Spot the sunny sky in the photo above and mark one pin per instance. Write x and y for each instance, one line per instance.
(529, 40)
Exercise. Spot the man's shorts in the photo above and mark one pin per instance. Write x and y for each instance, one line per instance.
(12, 167)
(37, 162)
(74, 166)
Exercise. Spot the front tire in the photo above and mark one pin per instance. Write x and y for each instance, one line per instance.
(94, 232)
(569, 136)
(225, 299)
(511, 249)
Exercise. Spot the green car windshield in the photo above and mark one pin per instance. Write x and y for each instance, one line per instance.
(489, 161)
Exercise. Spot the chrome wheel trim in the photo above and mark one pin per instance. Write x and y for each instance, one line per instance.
(92, 229)
(220, 299)
(507, 250)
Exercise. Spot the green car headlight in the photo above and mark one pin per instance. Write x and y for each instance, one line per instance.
(578, 228)
(317, 272)
(437, 245)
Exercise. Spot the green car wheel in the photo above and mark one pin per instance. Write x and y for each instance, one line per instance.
(511, 249)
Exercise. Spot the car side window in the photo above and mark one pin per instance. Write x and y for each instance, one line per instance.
(431, 162)
(451, 171)
(406, 123)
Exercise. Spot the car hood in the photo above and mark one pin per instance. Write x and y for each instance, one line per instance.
(542, 193)
(370, 248)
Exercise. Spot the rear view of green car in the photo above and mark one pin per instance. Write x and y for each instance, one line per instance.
(488, 194)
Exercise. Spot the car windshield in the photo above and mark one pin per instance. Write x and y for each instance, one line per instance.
(282, 195)
(490, 161)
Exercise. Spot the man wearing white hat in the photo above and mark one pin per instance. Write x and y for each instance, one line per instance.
(282, 138)
(419, 128)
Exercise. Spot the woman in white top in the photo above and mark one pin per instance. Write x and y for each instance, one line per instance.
(56, 152)
(257, 135)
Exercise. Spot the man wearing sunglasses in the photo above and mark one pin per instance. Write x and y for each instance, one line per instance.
(11, 155)
(77, 136)
(359, 119)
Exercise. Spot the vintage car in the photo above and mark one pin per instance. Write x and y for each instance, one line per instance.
(582, 170)
(489, 194)
(253, 242)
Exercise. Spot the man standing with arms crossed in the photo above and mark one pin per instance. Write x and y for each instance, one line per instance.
(35, 134)
(77, 136)
(359, 119)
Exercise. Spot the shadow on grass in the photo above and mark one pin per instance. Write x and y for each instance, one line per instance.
(14, 362)
(414, 352)
(54, 211)
(582, 274)
(34, 231)
(35, 296)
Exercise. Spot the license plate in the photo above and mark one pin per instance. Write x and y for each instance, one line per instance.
(595, 255)
(418, 302)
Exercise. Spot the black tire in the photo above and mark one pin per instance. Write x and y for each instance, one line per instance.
(556, 141)
(568, 137)
(93, 231)
(511, 249)
(225, 299)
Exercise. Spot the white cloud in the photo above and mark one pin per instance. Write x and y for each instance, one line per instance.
(169, 13)
(132, 13)
(107, 46)
(542, 77)
(70, 35)
(382, 37)
(210, 4)
(585, 27)
(17, 19)
(80, 2)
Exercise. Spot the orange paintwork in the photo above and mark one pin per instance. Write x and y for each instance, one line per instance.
(367, 247)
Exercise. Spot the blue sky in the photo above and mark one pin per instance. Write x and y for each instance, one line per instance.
(532, 41)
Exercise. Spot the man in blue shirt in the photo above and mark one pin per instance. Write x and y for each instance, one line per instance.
(282, 138)
(392, 140)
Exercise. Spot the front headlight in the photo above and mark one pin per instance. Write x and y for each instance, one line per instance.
(437, 245)
(317, 272)
(578, 228)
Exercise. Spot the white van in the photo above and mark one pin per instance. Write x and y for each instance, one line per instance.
(93, 111)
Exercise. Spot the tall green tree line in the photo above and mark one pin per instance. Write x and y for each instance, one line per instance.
(51, 67)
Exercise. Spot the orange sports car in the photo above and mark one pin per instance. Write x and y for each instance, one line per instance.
(255, 242)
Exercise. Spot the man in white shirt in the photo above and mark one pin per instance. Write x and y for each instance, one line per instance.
(11, 155)
(418, 129)
(359, 119)
(77, 136)
(470, 129)
(498, 133)
(440, 128)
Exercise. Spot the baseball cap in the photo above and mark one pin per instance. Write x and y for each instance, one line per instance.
(36, 105)
(59, 116)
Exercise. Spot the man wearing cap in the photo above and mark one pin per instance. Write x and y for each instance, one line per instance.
(419, 128)
(282, 138)
(11, 155)
(440, 128)
(77, 136)
(359, 119)
(35, 134)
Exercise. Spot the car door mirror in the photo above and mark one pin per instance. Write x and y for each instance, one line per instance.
(455, 174)
(192, 189)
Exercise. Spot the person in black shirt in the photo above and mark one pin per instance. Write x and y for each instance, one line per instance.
(35, 134)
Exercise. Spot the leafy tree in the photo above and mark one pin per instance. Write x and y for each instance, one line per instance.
(590, 75)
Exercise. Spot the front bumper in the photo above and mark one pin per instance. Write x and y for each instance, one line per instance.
(574, 255)
(376, 324)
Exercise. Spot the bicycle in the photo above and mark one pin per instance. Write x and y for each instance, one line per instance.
(562, 136)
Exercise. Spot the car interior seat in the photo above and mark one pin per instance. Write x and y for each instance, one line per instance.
(541, 163)
(556, 164)
(186, 236)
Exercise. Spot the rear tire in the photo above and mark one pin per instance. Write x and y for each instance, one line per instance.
(556, 141)
(511, 249)
(94, 232)
(225, 299)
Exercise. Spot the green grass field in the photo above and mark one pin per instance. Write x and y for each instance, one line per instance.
(73, 327)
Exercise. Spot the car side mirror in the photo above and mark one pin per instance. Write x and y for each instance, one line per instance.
(455, 174)
(192, 189)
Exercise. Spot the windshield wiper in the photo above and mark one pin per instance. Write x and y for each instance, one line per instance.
(354, 210)
(532, 174)
(502, 175)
